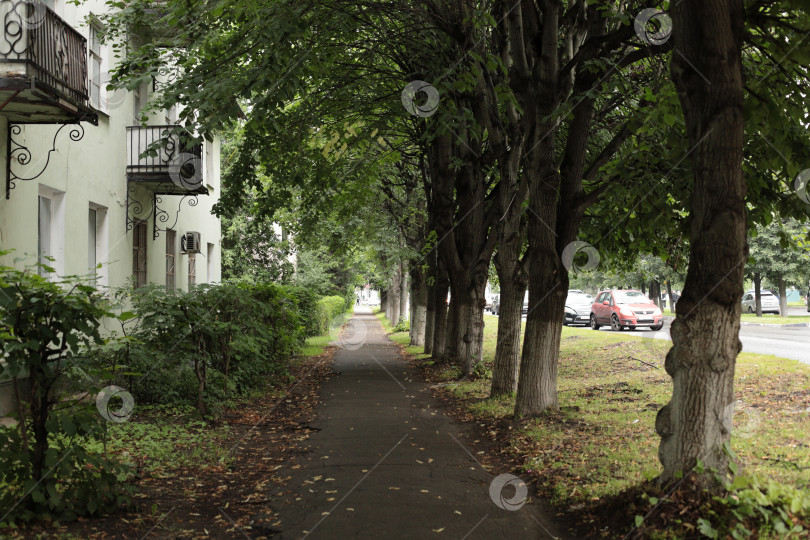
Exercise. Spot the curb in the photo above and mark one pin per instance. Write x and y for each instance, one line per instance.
(776, 325)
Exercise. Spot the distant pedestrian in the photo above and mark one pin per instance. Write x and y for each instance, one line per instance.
(358, 301)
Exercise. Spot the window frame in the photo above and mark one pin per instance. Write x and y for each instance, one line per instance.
(93, 28)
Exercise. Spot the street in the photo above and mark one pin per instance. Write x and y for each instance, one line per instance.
(784, 341)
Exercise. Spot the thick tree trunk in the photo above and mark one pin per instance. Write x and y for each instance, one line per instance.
(537, 380)
(441, 315)
(507, 349)
(472, 331)
(513, 281)
(384, 301)
(783, 307)
(419, 299)
(696, 423)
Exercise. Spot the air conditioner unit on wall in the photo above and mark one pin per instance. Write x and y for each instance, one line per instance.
(190, 242)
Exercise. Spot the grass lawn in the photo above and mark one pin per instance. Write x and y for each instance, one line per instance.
(611, 387)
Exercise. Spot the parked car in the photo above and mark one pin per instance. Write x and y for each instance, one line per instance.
(770, 302)
(620, 308)
(577, 307)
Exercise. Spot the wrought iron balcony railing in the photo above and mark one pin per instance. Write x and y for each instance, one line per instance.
(43, 66)
(157, 160)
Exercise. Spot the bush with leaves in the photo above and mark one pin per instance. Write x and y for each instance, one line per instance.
(210, 344)
(44, 327)
(330, 311)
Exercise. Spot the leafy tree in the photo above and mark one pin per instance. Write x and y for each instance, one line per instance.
(779, 254)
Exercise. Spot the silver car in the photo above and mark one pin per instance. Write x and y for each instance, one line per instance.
(770, 303)
(577, 308)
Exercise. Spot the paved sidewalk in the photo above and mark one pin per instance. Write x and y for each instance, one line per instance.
(387, 464)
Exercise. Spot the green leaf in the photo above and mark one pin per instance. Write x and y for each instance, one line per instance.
(705, 528)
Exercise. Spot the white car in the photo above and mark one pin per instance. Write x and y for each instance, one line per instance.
(770, 303)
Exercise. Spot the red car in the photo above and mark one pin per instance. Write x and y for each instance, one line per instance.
(620, 308)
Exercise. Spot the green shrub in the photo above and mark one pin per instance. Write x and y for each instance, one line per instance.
(47, 471)
(330, 310)
(306, 303)
(210, 344)
(403, 325)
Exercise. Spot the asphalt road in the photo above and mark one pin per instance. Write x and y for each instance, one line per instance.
(783, 341)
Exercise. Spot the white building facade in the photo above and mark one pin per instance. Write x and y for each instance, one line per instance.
(76, 187)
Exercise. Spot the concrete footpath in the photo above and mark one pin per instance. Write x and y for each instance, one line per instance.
(386, 463)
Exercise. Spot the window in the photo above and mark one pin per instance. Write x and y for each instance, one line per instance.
(209, 263)
(139, 253)
(92, 241)
(44, 234)
(171, 250)
(96, 88)
(50, 230)
(97, 242)
(137, 103)
(192, 269)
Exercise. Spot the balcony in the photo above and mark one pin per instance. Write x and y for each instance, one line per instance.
(43, 67)
(158, 162)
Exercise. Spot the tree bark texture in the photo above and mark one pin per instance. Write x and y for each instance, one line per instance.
(395, 296)
(419, 299)
(430, 306)
(403, 294)
(441, 315)
(707, 72)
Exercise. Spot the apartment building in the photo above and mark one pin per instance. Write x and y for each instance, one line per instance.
(76, 186)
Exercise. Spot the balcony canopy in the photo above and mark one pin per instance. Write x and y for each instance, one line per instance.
(43, 67)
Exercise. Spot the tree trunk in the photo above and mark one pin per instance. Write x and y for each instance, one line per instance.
(513, 281)
(39, 417)
(643, 289)
(419, 299)
(783, 307)
(384, 301)
(669, 295)
(452, 341)
(696, 423)
(395, 297)
(655, 292)
(507, 350)
(472, 331)
(430, 308)
(403, 294)
(441, 315)
(758, 293)
(537, 380)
